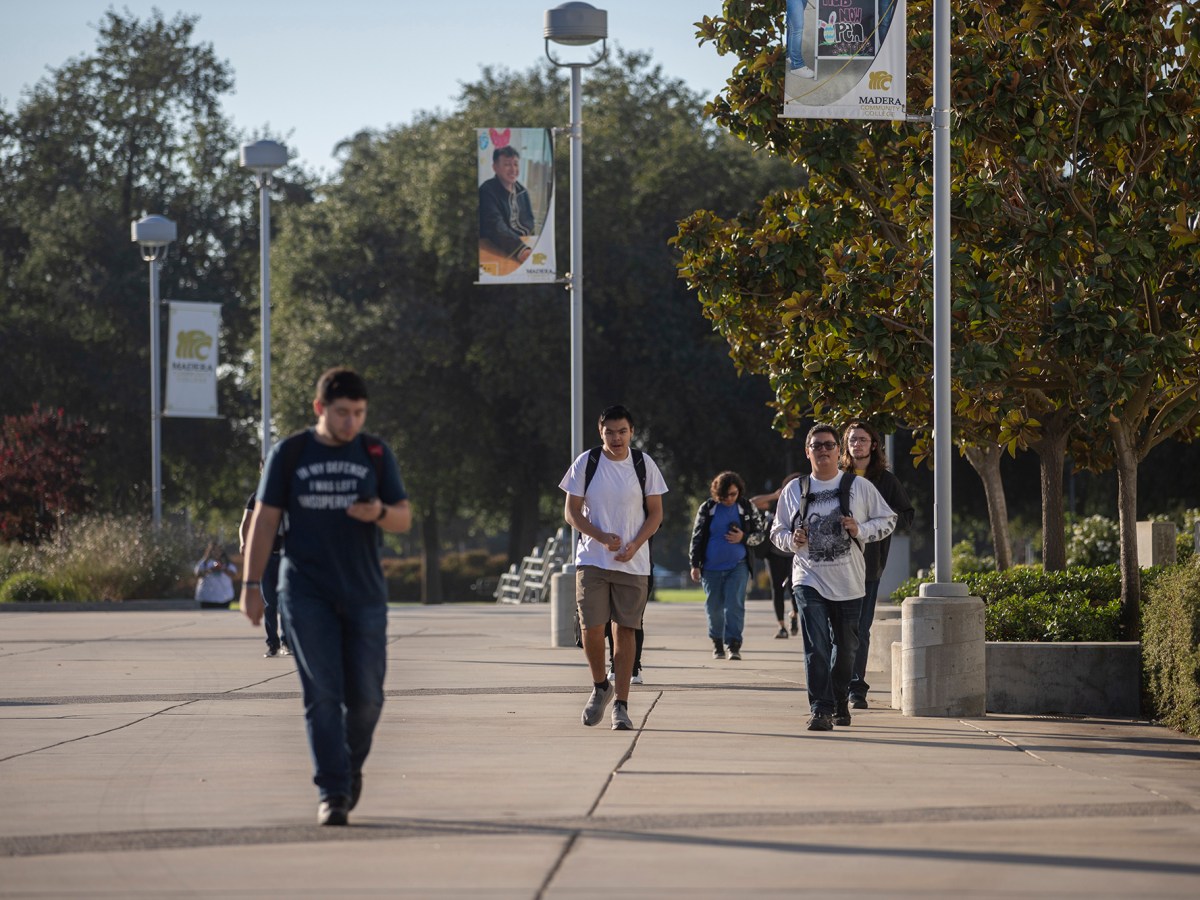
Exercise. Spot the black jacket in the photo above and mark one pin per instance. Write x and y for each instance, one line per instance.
(894, 495)
(749, 522)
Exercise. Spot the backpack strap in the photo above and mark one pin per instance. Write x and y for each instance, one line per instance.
(844, 492)
(804, 493)
(374, 448)
(290, 450)
(589, 470)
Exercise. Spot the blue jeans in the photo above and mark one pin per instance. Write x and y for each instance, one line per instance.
(795, 33)
(341, 656)
(858, 679)
(725, 602)
(270, 594)
(830, 640)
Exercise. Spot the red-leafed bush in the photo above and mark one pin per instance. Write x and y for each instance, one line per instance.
(42, 455)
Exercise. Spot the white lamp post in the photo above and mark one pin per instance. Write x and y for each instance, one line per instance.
(576, 25)
(152, 234)
(263, 158)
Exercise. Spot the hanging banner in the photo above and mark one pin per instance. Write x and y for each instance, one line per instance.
(845, 59)
(192, 360)
(516, 205)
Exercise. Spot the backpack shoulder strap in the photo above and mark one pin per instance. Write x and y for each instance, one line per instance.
(289, 455)
(589, 471)
(639, 467)
(844, 491)
(802, 512)
(374, 448)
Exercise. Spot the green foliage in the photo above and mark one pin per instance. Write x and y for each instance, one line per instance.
(29, 587)
(1026, 603)
(963, 558)
(1171, 647)
(1066, 616)
(1094, 541)
(114, 558)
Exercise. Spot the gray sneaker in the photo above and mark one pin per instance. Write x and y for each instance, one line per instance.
(597, 703)
(620, 718)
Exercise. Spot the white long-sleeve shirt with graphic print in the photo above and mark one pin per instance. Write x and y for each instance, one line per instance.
(831, 562)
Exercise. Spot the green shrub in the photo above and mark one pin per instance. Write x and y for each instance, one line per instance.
(13, 559)
(28, 587)
(1076, 604)
(963, 558)
(1069, 616)
(1171, 647)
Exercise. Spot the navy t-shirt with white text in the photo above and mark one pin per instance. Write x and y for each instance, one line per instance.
(326, 552)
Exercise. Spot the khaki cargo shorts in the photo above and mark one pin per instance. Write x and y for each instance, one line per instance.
(603, 594)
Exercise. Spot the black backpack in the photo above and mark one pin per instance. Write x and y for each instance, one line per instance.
(843, 496)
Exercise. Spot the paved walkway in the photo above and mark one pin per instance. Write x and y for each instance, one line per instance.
(156, 754)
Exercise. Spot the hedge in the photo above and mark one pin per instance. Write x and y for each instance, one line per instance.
(1171, 647)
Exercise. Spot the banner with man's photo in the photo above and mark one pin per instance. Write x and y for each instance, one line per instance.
(516, 205)
(192, 360)
(845, 59)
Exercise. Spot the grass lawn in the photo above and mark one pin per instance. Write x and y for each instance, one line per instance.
(679, 595)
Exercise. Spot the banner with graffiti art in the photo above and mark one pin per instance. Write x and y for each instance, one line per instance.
(516, 205)
(845, 59)
(192, 360)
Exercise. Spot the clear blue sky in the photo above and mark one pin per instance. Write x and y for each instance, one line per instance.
(322, 70)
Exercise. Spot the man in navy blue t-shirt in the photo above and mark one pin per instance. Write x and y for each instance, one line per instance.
(337, 487)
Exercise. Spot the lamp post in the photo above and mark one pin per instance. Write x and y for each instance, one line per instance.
(152, 234)
(263, 158)
(576, 25)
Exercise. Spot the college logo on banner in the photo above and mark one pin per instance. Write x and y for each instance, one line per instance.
(516, 205)
(192, 360)
(845, 59)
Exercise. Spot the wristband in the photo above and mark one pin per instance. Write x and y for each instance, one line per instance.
(256, 584)
(382, 512)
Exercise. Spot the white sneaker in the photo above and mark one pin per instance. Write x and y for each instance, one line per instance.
(636, 679)
(804, 72)
(612, 676)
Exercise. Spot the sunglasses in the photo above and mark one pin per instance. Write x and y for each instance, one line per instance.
(823, 445)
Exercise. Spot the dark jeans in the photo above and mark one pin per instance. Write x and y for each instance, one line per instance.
(858, 680)
(781, 584)
(830, 641)
(341, 656)
(270, 593)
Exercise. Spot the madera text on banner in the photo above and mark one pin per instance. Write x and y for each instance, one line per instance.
(845, 59)
(192, 360)
(515, 172)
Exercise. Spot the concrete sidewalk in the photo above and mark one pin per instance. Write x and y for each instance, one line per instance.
(157, 754)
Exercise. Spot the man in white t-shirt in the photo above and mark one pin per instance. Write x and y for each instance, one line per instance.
(616, 511)
(828, 569)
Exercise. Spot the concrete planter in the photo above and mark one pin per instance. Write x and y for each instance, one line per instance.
(1080, 679)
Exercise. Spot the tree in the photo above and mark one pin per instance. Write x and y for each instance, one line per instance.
(41, 472)
(468, 383)
(134, 127)
(1073, 177)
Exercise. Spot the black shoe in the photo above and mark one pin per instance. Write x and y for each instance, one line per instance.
(271, 651)
(718, 649)
(820, 722)
(795, 624)
(735, 651)
(781, 633)
(355, 789)
(842, 718)
(858, 703)
(334, 811)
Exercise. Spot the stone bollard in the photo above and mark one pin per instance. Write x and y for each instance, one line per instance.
(943, 653)
(897, 675)
(562, 609)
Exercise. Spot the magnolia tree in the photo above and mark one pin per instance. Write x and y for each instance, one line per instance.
(1074, 254)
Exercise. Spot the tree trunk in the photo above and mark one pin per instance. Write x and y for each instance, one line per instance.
(1052, 456)
(986, 463)
(1131, 577)
(523, 524)
(431, 557)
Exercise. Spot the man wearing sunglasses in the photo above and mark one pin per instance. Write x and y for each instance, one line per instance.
(828, 569)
